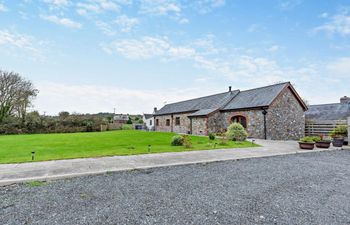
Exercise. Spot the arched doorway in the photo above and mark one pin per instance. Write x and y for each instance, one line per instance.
(239, 119)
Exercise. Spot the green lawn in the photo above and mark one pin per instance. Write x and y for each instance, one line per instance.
(18, 148)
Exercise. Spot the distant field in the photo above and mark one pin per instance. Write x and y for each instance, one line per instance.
(18, 148)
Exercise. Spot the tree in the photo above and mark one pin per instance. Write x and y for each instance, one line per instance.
(16, 95)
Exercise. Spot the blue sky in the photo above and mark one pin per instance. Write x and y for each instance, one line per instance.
(96, 55)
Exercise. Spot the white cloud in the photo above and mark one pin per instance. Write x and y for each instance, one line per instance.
(145, 48)
(126, 23)
(3, 8)
(99, 6)
(105, 28)
(94, 98)
(17, 44)
(289, 4)
(160, 7)
(206, 6)
(340, 67)
(58, 3)
(274, 48)
(339, 24)
(62, 21)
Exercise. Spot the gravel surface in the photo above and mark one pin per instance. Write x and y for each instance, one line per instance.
(312, 188)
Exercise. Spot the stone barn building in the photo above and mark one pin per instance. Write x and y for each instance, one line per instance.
(272, 112)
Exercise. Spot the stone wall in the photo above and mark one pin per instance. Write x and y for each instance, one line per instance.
(219, 121)
(162, 123)
(184, 126)
(199, 126)
(285, 118)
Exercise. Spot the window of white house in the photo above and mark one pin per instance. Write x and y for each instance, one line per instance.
(150, 122)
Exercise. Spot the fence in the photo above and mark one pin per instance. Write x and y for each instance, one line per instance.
(323, 127)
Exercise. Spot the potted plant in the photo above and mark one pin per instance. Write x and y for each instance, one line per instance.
(307, 143)
(322, 142)
(338, 134)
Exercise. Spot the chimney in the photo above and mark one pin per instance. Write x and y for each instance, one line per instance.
(229, 89)
(345, 100)
(155, 110)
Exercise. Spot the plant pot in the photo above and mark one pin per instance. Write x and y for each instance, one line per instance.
(338, 141)
(323, 144)
(307, 145)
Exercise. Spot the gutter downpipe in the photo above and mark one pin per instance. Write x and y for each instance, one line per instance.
(264, 112)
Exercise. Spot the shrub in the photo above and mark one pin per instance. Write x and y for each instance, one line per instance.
(187, 142)
(316, 138)
(127, 127)
(307, 139)
(236, 132)
(340, 130)
(211, 136)
(177, 140)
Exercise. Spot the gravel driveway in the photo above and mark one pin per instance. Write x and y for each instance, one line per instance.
(295, 189)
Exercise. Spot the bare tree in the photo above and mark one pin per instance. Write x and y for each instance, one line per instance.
(16, 95)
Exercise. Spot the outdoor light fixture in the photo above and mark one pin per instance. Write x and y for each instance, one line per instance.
(33, 156)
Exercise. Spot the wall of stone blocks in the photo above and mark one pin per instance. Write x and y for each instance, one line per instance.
(184, 126)
(199, 126)
(285, 118)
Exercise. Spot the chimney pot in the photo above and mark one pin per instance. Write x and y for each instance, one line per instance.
(155, 110)
(229, 88)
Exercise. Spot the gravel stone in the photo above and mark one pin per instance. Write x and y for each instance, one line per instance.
(311, 188)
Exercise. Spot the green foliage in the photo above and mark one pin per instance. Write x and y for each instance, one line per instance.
(340, 130)
(223, 139)
(35, 183)
(129, 121)
(211, 136)
(316, 138)
(236, 132)
(187, 142)
(127, 127)
(308, 139)
(177, 140)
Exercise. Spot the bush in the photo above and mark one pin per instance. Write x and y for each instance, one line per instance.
(236, 132)
(340, 130)
(308, 139)
(223, 140)
(127, 127)
(177, 140)
(187, 142)
(316, 138)
(211, 136)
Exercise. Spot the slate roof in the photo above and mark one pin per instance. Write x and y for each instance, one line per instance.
(257, 97)
(202, 112)
(207, 102)
(335, 111)
(148, 116)
(253, 98)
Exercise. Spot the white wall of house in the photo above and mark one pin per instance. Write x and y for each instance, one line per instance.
(148, 122)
